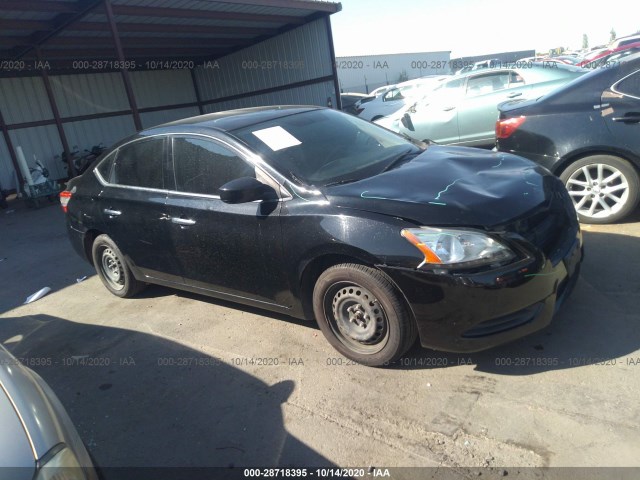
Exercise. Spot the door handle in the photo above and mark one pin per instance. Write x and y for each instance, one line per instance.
(628, 118)
(112, 213)
(182, 221)
(514, 94)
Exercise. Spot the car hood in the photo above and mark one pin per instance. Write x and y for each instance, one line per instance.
(452, 186)
(44, 421)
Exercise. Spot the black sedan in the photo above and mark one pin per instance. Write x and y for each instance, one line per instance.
(588, 133)
(321, 215)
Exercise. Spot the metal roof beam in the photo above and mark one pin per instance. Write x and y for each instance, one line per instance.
(142, 11)
(163, 28)
(299, 4)
(80, 9)
(24, 24)
(40, 6)
(130, 53)
(106, 42)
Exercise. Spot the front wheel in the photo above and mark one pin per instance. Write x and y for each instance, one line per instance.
(112, 268)
(361, 314)
(604, 188)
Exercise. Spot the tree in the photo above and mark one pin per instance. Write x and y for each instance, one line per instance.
(585, 41)
(612, 35)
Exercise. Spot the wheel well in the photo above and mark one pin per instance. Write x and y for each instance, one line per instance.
(311, 273)
(89, 237)
(564, 164)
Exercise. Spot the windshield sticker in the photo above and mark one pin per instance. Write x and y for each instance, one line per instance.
(277, 138)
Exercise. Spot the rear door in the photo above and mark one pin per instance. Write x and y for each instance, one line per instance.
(133, 207)
(231, 249)
(478, 112)
(621, 112)
(436, 116)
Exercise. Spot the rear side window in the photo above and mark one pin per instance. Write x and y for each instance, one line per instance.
(202, 166)
(483, 84)
(139, 164)
(104, 167)
(630, 85)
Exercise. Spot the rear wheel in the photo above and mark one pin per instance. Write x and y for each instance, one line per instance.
(604, 188)
(112, 269)
(361, 314)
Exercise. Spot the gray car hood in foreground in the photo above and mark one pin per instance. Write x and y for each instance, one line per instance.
(452, 186)
(43, 421)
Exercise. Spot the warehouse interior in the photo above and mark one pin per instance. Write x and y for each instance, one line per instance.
(78, 73)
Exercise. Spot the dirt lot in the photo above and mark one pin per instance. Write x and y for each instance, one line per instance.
(175, 379)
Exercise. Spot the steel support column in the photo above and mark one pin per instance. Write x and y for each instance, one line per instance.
(334, 68)
(12, 152)
(121, 58)
(194, 79)
(56, 114)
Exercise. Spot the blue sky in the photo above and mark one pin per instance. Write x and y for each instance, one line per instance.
(472, 27)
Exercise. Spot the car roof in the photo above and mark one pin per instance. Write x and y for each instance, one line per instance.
(230, 120)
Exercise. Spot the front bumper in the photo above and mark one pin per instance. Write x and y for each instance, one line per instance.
(473, 312)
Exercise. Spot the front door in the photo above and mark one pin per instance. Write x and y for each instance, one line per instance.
(231, 249)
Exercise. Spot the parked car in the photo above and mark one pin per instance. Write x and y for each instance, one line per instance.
(588, 133)
(464, 109)
(626, 40)
(396, 98)
(320, 215)
(609, 56)
(349, 100)
(37, 440)
(380, 90)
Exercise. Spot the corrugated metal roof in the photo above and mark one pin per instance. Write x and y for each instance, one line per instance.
(23, 26)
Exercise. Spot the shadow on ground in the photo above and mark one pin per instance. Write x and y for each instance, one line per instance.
(154, 402)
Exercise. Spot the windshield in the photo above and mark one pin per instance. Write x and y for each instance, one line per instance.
(321, 147)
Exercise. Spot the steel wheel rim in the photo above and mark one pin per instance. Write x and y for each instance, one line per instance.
(598, 190)
(356, 318)
(112, 269)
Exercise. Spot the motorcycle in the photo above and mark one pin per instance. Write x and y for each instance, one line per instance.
(82, 162)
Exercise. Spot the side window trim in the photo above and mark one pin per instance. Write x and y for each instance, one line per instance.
(261, 174)
(615, 85)
(108, 183)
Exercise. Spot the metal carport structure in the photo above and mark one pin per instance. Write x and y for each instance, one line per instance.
(81, 72)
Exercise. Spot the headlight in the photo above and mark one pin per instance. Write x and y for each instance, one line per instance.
(456, 247)
(62, 466)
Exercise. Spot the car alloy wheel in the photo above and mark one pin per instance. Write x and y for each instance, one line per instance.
(603, 188)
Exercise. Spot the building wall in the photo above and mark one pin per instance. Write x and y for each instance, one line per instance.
(296, 56)
(365, 73)
(292, 68)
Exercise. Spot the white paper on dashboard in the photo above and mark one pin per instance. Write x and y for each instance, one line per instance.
(277, 138)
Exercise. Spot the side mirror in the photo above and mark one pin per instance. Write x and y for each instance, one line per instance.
(244, 190)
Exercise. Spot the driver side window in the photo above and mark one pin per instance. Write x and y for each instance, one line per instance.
(202, 166)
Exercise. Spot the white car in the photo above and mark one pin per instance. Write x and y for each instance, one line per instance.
(402, 95)
(380, 90)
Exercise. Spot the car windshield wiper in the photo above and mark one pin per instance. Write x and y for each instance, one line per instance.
(400, 159)
(342, 182)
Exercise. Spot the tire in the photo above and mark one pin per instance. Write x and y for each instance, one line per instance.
(346, 299)
(112, 268)
(595, 204)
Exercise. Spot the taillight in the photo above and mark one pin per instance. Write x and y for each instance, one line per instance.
(506, 127)
(65, 196)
